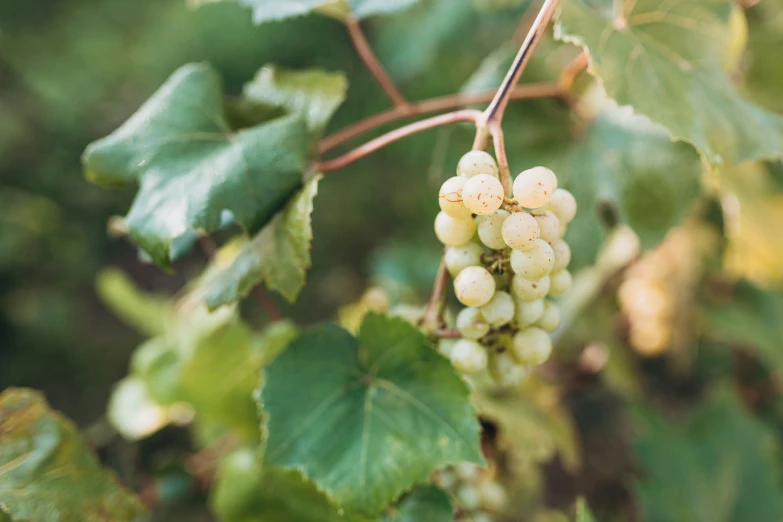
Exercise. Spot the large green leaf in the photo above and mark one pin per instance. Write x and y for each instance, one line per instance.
(665, 59)
(723, 467)
(366, 418)
(279, 255)
(272, 10)
(423, 503)
(191, 167)
(47, 473)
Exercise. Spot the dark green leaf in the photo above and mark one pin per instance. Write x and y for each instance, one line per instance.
(366, 418)
(425, 503)
(667, 62)
(279, 256)
(47, 473)
(191, 167)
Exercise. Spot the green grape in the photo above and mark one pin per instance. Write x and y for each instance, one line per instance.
(469, 498)
(528, 312)
(477, 162)
(452, 231)
(506, 370)
(490, 229)
(534, 263)
(520, 231)
(445, 346)
(562, 255)
(549, 225)
(450, 198)
(534, 187)
(471, 324)
(460, 257)
(483, 194)
(563, 205)
(560, 283)
(493, 496)
(527, 290)
(467, 471)
(532, 346)
(499, 310)
(550, 319)
(468, 356)
(474, 286)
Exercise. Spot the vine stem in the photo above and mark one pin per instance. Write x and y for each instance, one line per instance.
(432, 319)
(371, 146)
(372, 63)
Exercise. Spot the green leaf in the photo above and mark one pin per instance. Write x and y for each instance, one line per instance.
(279, 256)
(667, 62)
(313, 94)
(145, 312)
(366, 418)
(633, 167)
(722, 467)
(47, 473)
(191, 167)
(275, 10)
(244, 492)
(423, 503)
(583, 513)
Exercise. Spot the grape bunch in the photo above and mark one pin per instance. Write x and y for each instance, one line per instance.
(505, 263)
(478, 495)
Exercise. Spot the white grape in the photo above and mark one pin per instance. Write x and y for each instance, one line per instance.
(549, 226)
(490, 229)
(560, 283)
(474, 286)
(481, 517)
(445, 346)
(562, 255)
(506, 370)
(458, 258)
(532, 346)
(450, 198)
(446, 478)
(550, 320)
(528, 290)
(452, 231)
(528, 312)
(469, 498)
(534, 187)
(467, 471)
(471, 324)
(477, 162)
(534, 263)
(468, 356)
(563, 204)
(483, 194)
(499, 310)
(493, 495)
(520, 231)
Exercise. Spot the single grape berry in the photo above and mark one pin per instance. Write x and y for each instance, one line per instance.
(467, 471)
(550, 320)
(499, 310)
(474, 286)
(468, 356)
(534, 263)
(562, 255)
(528, 312)
(458, 258)
(520, 231)
(471, 324)
(527, 290)
(490, 229)
(483, 194)
(469, 498)
(493, 495)
(560, 283)
(506, 370)
(452, 231)
(563, 204)
(534, 187)
(477, 162)
(445, 346)
(450, 198)
(532, 346)
(549, 226)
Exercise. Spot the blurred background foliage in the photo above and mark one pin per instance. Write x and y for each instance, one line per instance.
(665, 401)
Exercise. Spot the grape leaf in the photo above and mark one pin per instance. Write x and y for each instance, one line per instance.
(274, 10)
(665, 59)
(278, 255)
(313, 94)
(726, 464)
(366, 418)
(191, 167)
(47, 473)
(423, 503)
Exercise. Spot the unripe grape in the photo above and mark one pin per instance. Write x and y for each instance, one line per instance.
(481, 517)
(563, 204)
(534, 187)
(468, 498)
(445, 346)
(560, 283)
(467, 471)
(450, 198)
(452, 231)
(550, 320)
(520, 231)
(493, 496)
(562, 255)
(377, 300)
(506, 370)
(549, 226)
(532, 346)
(468, 356)
(528, 312)
(490, 229)
(483, 194)
(471, 324)
(499, 310)
(528, 290)
(446, 478)
(474, 286)
(477, 162)
(458, 258)
(534, 263)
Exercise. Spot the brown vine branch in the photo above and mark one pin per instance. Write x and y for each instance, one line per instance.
(433, 315)
(396, 135)
(372, 63)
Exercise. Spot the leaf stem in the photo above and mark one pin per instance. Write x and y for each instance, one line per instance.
(372, 63)
(396, 135)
